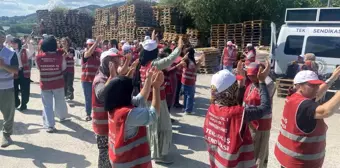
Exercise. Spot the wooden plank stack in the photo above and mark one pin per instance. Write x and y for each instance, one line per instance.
(235, 33)
(256, 32)
(106, 21)
(194, 36)
(168, 18)
(283, 86)
(72, 24)
(210, 60)
(219, 34)
(144, 31)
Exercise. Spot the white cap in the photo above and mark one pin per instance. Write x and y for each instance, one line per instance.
(147, 38)
(123, 41)
(113, 52)
(45, 35)
(223, 79)
(249, 45)
(9, 37)
(173, 42)
(307, 76)
(126, 46)
(229, 43)
(90, 41)
(149, 45)
(135, 41)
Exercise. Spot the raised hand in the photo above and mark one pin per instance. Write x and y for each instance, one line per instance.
(99, 38)
(180, 42)
(113, 70)
(240, 69)
(263, 73)
(150, 73)
(158, 80)
(336, 73)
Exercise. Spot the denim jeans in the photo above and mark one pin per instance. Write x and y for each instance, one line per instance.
(189, 97)
(230, 68)
(178, 91)
(87, 88)
(59, 106)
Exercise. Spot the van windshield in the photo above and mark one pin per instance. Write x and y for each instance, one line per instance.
(323, 46)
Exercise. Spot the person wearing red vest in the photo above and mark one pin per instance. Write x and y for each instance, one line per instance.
(68, 54)
(229, 56)
(90, 65)
(51, 65)
(260, 128)
(226, 128)
(22, 79)
(250, 54)
(160, 133)
(109, 68)
(302, 139)
(128, 120)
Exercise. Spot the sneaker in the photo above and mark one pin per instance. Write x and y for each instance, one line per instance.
(163, 160)
(64, 120)
(88, 118)
(6, 141)
(51, 130)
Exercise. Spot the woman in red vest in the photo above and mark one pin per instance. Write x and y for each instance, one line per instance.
(250, 54)
(226, 128)
(260, 128)
(51, 65)
(302, 139)
(69, 73)
(160, 133)
(23, 77)
(90, 65)
(128, 121)
(229, 56)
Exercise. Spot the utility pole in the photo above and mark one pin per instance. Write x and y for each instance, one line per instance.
(329, 3)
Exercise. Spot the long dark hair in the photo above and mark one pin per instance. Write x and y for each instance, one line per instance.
(19, 42)
(191, 56)
(251, 48)
(118, 93)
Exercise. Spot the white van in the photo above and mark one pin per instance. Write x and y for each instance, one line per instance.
(307, 30)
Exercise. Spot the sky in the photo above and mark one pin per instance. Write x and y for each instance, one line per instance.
(25, 7)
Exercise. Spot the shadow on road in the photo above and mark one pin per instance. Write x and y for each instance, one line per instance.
(21, 128)
(32, 112)
(41, 155)
(184, 162)
(35, 95)
(73, 103)
(78, 132)
(201, 106)
(202, 87)
(190, 136)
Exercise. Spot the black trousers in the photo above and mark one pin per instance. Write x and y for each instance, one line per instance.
(25, 85)
(69, 78)
(178, 91)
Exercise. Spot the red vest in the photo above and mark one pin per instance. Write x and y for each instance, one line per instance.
(227, 146)
(167, 82)
(99, 115)
(189, 74)
(70, 63)
(90, 68)
(51, 73)
(296, 149)
(229, 60)
(143, 70)
(252, 98)
(179, 69)
(133, 152)
(25, 64)
(252, 59)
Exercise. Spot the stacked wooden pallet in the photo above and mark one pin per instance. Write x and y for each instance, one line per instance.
(106, 21)
(235, 33)
(210, 60)
(143, 31)
(72, 24)
(169, 37)
(194, 36)
(283, 86)
(168, 18)
(256, 32)
(218, 35)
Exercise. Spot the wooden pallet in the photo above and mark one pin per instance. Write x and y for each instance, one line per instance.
(283, 86)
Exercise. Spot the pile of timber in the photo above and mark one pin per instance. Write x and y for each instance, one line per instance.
(168, 18)
(283, 86)
(209, 60)
(106, 21)
(256, 32)
(72, 24)
(194, 37)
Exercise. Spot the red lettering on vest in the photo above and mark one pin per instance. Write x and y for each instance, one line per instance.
(296, 149)
(51, 73)
(252, 98)
(99, 115)
(143, 70)
(229, 60)
(133, 152)
(90, 67)
(228, 145)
